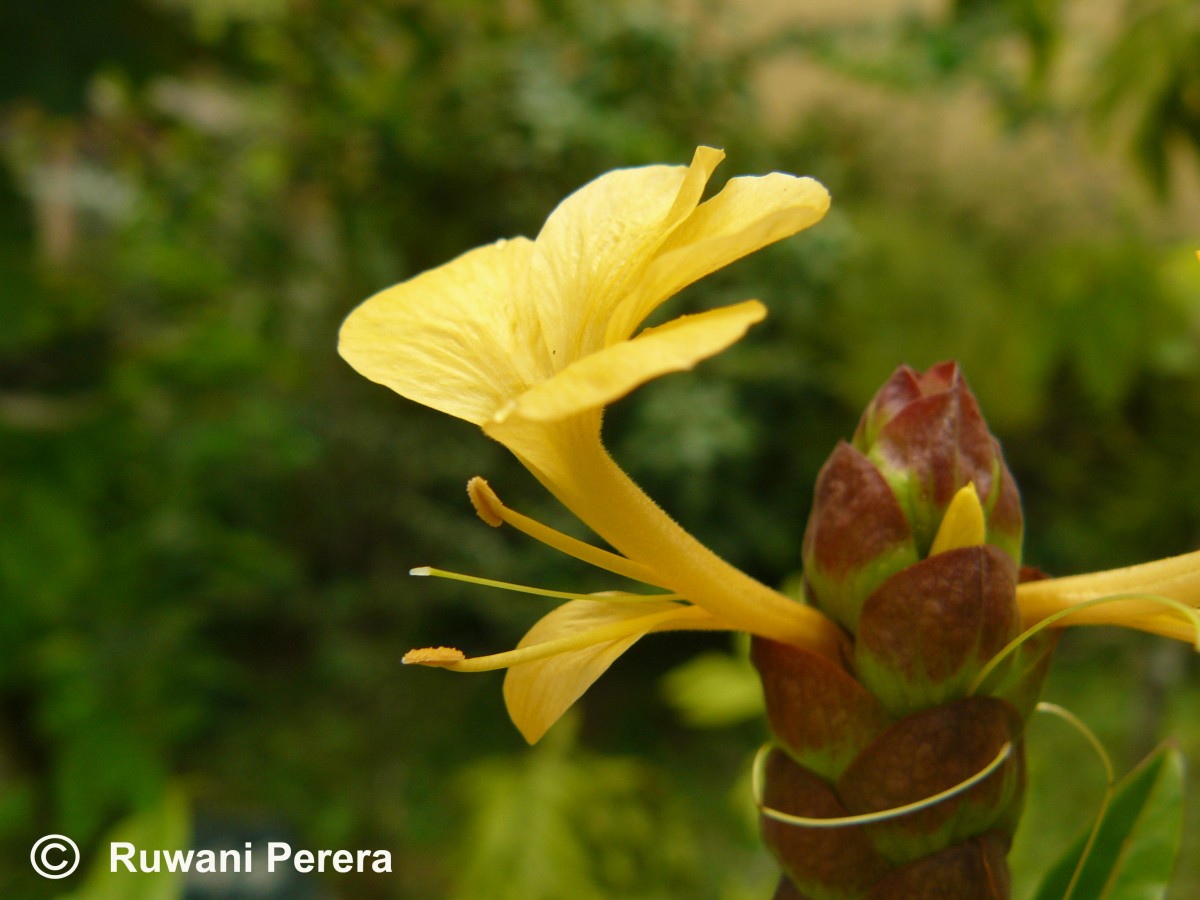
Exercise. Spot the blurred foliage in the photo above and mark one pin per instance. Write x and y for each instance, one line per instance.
(209, 519)
(1151, 74)
(164, 825)
(553, 822)
(715, 689)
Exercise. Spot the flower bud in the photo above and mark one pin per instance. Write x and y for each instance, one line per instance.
(880, 500)
(928, 438)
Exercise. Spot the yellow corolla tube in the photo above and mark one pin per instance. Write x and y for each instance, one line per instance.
(1138, 597)
(530, 339)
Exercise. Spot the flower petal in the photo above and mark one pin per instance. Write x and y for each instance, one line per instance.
(964, 523)
(748, 214)
(595, 245)
(602, 377)
(458, 338)
(538, 693)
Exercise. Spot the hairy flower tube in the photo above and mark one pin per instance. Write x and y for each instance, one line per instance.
(530, 339)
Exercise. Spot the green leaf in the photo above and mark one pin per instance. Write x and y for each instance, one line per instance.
(1137, 839)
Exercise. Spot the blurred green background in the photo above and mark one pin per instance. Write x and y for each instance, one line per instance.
(207, 519)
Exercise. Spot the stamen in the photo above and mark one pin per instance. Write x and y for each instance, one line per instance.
(756, 778)
(963, 525)
(601, 634)
(611, 596)
(491, 510)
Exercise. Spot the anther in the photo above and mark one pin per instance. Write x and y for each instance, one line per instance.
(487, 504)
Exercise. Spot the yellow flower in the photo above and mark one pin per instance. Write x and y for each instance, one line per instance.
(530, 339)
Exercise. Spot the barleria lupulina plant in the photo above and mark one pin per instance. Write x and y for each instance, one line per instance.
(898, 691)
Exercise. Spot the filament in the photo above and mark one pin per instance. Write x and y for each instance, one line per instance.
(607, 596)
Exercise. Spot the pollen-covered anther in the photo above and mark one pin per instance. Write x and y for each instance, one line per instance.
(433, 656)
(487, 504)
